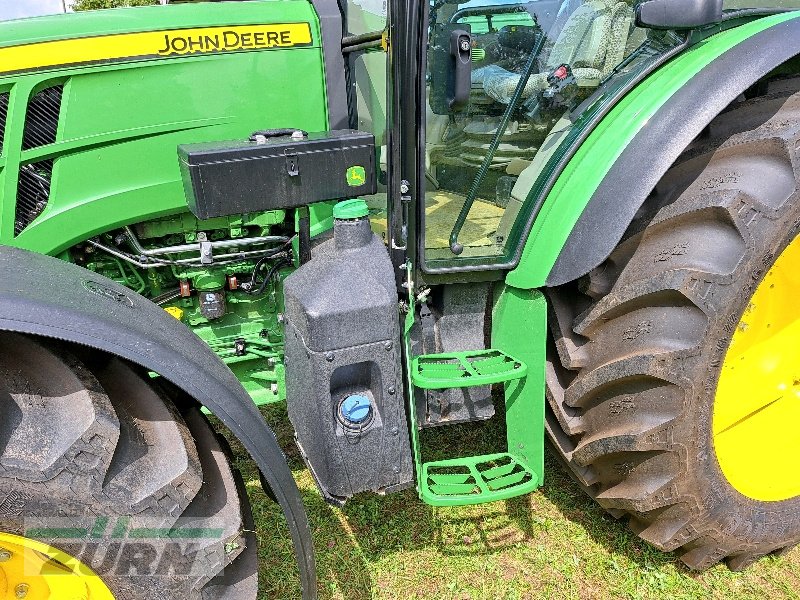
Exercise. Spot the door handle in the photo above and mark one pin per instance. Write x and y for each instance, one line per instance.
(461, 72)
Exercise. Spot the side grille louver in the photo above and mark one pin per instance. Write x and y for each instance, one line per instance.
(33, 192)
(3, 114)
(41, 120)
(41, 126)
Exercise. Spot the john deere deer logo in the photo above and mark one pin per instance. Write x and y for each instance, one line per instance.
(356, 176)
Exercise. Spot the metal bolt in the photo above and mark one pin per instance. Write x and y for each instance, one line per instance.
(391, 390)
(388, 346)
(404, 187)
(465, 46)
(201, 236)
(21, 591)
(5, 555)
(396, 469)
(395, 431)
(274, 388)
(329, 357)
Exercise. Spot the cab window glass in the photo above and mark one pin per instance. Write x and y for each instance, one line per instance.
(364, 16)
(368, 68)
(369, 96)
(536, 68)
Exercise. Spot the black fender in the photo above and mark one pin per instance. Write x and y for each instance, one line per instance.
(48, 297)
(662, 140)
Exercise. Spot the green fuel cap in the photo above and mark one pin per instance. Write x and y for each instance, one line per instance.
(351, 209)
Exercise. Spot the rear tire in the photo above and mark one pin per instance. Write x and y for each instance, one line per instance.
(640, 342)
(97, 445)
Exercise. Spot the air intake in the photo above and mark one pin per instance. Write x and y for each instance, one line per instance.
(3, 114)
(33, 192)
(41, 121)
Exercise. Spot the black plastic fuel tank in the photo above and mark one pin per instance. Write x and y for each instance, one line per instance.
(344, 380)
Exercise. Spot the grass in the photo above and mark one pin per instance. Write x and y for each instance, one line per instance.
(555, 543)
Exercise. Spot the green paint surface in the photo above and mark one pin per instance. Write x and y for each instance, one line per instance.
(465, 369)
(587, 169)
(517, 311)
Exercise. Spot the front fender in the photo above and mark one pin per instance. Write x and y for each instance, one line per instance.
(597, 195)
(45, 296)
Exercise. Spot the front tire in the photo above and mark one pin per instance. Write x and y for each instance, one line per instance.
(636, 407)
(97, 460)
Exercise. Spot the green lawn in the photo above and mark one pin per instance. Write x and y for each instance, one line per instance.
(555, 543)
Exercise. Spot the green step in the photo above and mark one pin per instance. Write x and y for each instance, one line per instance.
(465, 369)
(476, 479)
(519, 328)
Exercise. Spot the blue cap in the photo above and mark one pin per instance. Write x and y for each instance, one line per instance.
(355, 408)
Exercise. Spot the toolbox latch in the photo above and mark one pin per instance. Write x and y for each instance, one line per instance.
(292, 163)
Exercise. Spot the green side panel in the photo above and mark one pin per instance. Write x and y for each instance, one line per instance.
(115, 158)
(519, 329)
(584, 173)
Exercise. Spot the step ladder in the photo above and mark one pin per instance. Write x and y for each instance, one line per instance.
(477, 479)
(465, 369)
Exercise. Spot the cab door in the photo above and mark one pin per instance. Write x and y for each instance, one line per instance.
(509, 87)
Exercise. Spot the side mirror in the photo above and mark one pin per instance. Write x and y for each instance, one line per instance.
(678, 14)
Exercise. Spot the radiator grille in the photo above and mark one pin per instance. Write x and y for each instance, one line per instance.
(3, 114)
(41, 120)
(33, 192)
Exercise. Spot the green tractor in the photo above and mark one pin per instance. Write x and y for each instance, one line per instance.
(580, 217)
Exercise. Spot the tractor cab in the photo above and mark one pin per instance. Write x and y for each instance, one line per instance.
(506, 90)
(531, 68)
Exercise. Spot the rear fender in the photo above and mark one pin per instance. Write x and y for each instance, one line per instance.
(48, 297)
(597, 195)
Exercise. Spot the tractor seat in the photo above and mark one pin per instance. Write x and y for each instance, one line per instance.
(592, 42)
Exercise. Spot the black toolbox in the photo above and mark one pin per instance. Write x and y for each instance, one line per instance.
(269, 173)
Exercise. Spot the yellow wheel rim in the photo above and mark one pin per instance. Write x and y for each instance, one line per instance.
(31, 570)
(756, 425)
